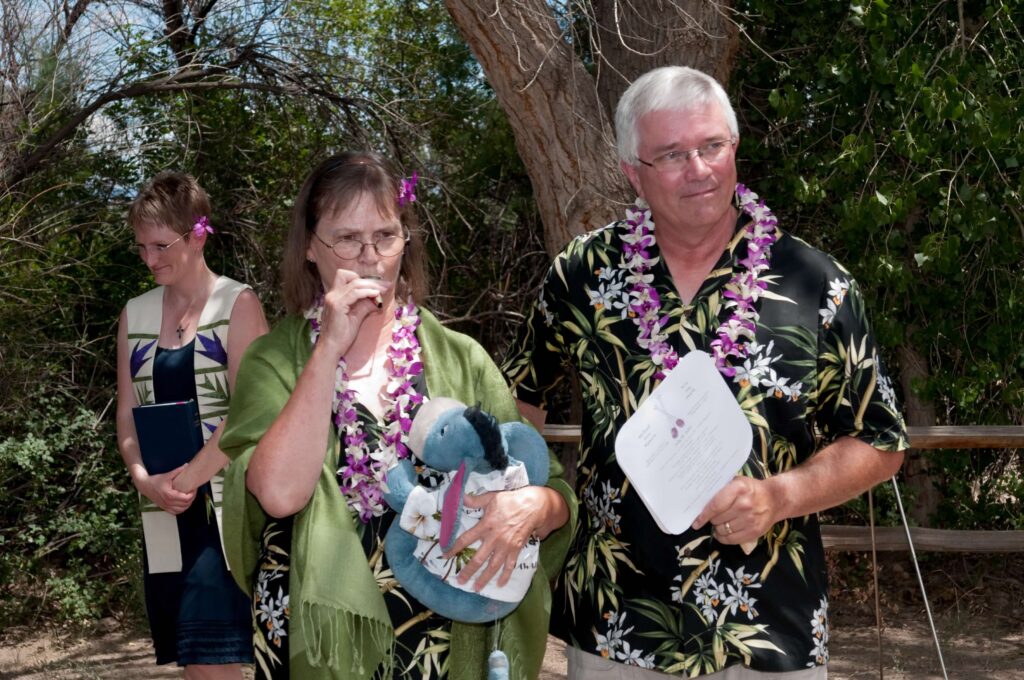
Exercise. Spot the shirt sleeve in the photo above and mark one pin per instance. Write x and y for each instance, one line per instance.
(534, 362)
(855, 393)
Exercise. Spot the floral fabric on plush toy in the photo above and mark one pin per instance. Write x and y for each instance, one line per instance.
(477, 455)
(422, 518)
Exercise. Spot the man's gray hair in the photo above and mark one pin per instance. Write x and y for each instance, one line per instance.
(668, 88)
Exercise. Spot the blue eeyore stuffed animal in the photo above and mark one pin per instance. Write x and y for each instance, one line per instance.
(477, 455)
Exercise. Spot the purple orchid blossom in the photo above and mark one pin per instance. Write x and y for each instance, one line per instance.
(406, 193)
(201, 226)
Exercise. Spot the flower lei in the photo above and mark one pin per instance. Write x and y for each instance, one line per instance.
(362, 471)
(742, 291)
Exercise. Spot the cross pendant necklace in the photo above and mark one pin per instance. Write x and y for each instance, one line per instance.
(182, 324)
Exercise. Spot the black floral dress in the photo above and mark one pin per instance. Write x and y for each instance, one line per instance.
(422, 636)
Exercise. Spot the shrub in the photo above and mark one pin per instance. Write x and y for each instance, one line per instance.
(68, 535)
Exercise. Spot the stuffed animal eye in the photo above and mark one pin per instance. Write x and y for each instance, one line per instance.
(444, 430)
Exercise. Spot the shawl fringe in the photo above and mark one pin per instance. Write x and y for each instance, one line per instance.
(327, 627)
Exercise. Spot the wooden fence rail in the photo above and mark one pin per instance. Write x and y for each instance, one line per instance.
(841, 537)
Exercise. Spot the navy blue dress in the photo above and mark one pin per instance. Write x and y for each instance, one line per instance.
(197, 616)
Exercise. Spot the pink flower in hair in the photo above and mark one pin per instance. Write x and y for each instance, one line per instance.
(405, 191)
(202, 226)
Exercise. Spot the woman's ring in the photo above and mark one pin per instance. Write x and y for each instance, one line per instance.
(728, 529)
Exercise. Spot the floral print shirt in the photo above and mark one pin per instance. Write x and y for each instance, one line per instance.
(685, 604)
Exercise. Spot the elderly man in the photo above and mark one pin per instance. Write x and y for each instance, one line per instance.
(699, 264)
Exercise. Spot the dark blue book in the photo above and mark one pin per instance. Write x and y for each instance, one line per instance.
(169, 434)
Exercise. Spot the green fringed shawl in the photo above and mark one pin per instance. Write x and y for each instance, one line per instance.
(339, 624)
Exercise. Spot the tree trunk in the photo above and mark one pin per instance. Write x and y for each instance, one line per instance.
(914, 370)
(562, 132)
(632, 38)
(559, 114)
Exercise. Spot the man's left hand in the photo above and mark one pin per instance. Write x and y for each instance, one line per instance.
(745, 508)
(741, 512)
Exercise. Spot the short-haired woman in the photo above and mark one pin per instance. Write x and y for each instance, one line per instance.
(184, 340)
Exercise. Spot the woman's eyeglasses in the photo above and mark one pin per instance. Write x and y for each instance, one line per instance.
(350, 248)
(158, 248)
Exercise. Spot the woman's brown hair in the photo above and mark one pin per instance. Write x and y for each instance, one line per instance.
(334, 185)
(172, 199)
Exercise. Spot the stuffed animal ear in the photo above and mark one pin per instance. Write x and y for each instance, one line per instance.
(425, 419)
(451, 508)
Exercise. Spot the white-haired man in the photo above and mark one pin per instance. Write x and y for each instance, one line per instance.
(699, 263)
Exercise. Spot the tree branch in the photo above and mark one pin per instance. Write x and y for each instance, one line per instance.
(199, 18)
(70, 19)
(188, 79)
(174, 28)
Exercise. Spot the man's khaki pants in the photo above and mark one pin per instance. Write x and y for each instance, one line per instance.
(584, 666)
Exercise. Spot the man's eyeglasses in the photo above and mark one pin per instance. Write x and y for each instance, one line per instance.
(140, 249)
(349, 247)
(675, 161)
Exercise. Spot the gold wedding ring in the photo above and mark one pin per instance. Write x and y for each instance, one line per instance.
(728, 529)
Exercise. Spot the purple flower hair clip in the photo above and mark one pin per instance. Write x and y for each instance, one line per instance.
(202, 226)
(405, 191)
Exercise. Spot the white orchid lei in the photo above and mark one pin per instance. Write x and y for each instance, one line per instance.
(742, 291)
(361, 471)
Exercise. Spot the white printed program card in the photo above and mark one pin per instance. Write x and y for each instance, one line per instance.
(684, 443)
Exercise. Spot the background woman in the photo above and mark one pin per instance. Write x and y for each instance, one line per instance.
(356, 356)
(183, 340)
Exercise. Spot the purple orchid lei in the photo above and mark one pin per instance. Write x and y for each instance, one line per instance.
(741, 292)
(362, 471)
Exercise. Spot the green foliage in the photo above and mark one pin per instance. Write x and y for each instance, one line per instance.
(68, 527)
(65, 271)
(981, 492)
(890, 135)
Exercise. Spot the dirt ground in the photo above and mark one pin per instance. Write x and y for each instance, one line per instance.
(978, 603)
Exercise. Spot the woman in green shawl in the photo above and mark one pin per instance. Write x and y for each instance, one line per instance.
(322, 408)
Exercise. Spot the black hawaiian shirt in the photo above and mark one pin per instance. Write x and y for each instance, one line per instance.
(686, 604)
